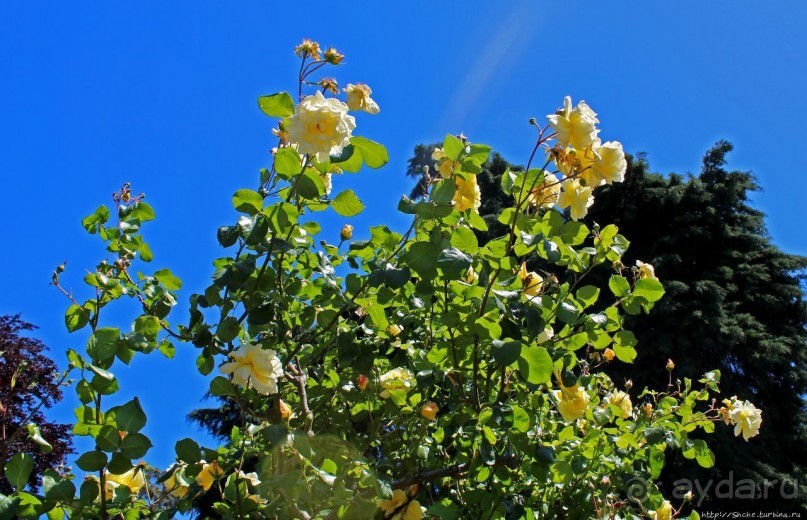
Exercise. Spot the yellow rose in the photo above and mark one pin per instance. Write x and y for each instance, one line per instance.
(134, 479)
(393, 330)
(397, 379)
(467, 195)
(285, 410)
(411, 511)
(646, 271)
(609, 164)
(389, 506)
(664, 512)
(358, 98)
(347, 232)
(320, 127)
(622, 401)
(647, 408)
(545, 335)
(532, 282)
(609, 354)
(210, 472)
(429, 410)
(471, 276)
(575, 127)
(746, 418)
(576, 197)
(176, 484)
(546, 194)
(572, 402)
(442, 163)
(254, 366)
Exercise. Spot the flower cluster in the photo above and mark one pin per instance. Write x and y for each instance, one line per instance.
(582, 158)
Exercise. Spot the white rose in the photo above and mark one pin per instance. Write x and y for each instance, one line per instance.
(320, 126)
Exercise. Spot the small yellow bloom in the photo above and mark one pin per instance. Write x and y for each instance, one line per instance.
(176, 484)
(254, 366)
(347, 232)
(429, 410)
(308, 48)
(134, 479)
(575, 127)
(358, 98)
(397, 379)
(468, 195)
(393, 330)
(532, 283)
(622, 401)
(664, 512)
(285, 410)
(471, 276)
(647, 408)
(389, 506)
(670, 365)
(546, 194)
(572, 402)
(545, 335)
(609, 354)
(210, 472)
(442, 163)
(320, 127)
(609, 164)
(576, 197)
(746, 418)
(646, 270)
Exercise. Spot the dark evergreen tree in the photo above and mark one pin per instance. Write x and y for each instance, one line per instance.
(28, 385)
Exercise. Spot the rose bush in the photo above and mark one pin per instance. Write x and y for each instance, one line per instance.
(408, 375)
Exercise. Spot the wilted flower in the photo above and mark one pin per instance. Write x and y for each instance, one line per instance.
(252, 365)
(576, 126)
(546, 194)
(333, 56)
(622, 401)
(329, 85)
(576, 197)
(746, 418)
(358, 98)
(429, 410)
(468, 195)
(308, 48)
(362, 381)
(532, 282)
(321, 127)
(397, 379)
(347, 232)
(645, 270)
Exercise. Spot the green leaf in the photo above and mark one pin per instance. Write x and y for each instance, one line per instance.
(624, 341)
(287, 162)
(103, 344)
(508, 179)
(130, 417)
(619, 285)
(94, 460)
(506, 352)
(57, 488)
(310, 185)
(167, 349)
(108, 438)
(135, 445)
(374, 154)
(277, 105)
(650, 289)
(168, 279)
(453, 147)
(535, 364)
(188, 451)
(35, 435)
(521, 419)
(97, 219)
(453, 262)
(248, 201)
(347, 204)
(588, 295)
(378, 316)
(221, 386)
(422, 257)
(75, 318)
(228, 329)
(443, 192)
(142, 212)
(349, 160)
(465, 240)
(18, 469)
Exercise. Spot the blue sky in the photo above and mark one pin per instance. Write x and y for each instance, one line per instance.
(163, 94)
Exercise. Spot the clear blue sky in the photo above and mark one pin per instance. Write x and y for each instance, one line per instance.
(163, 94)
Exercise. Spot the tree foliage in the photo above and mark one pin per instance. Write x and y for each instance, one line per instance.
(29, 384)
